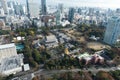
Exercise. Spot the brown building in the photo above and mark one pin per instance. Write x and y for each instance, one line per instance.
(49, 20)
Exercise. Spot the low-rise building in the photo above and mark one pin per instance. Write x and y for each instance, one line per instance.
(75, 51)
(26, 67)
(19, 38)
(62, 38)
(51, 41)
(91, 58)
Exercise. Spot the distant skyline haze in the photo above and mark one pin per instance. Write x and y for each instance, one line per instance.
(80, 3)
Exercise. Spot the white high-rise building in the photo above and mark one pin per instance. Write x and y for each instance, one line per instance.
(7, 51)
(112, 31)
(10, 61)
(3, 4)
(1, 12)
(11, 10)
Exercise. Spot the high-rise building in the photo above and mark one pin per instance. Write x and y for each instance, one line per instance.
(59, 14)
(28, 10)
(7, 51)
(10, 4)
(71, 15)
(11, 10)
(10, 61)
(19, 9)
(60, 7)
(3, 4)
(112, 30)
(118, 10)
(79, 11)
(1, 12)
(58, 17)
(43, 7)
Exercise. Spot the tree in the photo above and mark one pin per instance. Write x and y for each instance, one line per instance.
(4, 32)
(31, 33)
(33, 63)
(36, 55)
(36, 78)
(1, 77)
(116, 74)
(28, 51)
(102, 75)
(8, 77)
(22, 34)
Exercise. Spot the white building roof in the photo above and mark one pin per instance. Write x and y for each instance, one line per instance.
(84, 55)
(51, 38)
(19, 38)
(7, 46)
(26, 67)
(88, 58)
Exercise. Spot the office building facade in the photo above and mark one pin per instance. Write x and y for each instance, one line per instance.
(3, 4)
(112, 31)
(71, 15)
(7, 51)
(43, 7)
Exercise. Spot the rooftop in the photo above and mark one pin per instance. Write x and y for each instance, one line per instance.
(83, 55)
(51, 38)
(7, 46)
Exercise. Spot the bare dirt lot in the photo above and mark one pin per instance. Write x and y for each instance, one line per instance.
(96, 45)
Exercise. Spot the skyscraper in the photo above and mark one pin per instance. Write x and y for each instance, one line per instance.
(3, 4)
(11, 8)
(19, 9)
(7, 51)
(60, 7)
(28, 10)
(58, 17)
(59, 14)
(71, 15)
(112, 31)
(79, 11)
(43, 7)
(1, 12)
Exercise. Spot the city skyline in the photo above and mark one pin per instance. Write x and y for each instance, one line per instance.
(79, 3)
(59, 40)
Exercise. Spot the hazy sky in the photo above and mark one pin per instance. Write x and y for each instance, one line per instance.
(92, 3)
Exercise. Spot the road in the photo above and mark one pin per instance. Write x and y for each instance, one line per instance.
(94, 70)
(51, 72)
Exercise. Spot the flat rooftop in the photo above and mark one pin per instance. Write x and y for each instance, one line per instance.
(83, 55)
(51, 38)
(7, 46)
